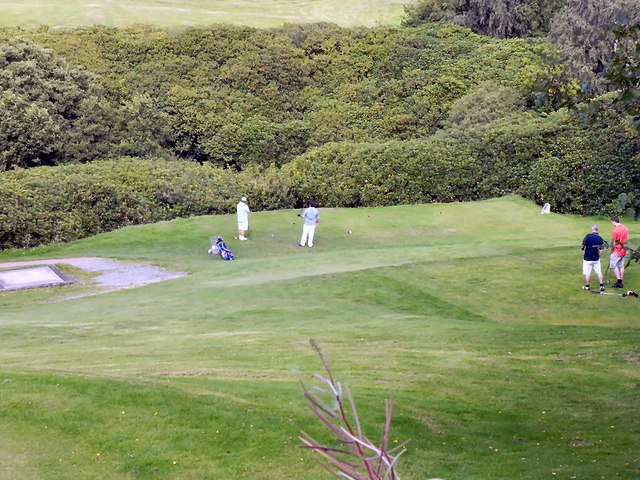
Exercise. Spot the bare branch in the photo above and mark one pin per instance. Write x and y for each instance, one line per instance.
(377, 461)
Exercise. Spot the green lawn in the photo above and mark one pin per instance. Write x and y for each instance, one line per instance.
(254, 13)
(471, 314)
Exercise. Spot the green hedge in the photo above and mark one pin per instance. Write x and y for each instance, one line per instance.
(574, 167)
(61, 204)
(366, 174)
(547, 159)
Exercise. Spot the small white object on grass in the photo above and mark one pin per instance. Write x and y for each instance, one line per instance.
(349, 232)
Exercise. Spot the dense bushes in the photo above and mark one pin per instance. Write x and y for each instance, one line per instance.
(49, 112)
(236, 96)
(363, 174)
(577, 169)
(42, 205)
(546, 158)
(348, 117)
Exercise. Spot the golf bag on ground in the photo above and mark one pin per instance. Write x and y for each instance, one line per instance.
(220, 248)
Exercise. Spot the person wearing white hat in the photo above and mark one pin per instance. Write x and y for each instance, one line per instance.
(243, 218)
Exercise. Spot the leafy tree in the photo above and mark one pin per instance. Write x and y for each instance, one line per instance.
(495, 18)
(483, 105)
(623, 70)
(29, 135)
(426, 11)
(579, 32)
(50, 111)
(145, 129)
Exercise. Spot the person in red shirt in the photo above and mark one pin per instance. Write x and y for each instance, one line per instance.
(618, 250)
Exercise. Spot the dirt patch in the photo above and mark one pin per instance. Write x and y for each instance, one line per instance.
(109, 274)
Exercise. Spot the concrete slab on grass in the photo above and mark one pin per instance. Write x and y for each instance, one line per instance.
(34, 277)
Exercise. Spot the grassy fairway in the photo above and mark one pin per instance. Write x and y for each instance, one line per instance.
(260, 14)
(472, 314)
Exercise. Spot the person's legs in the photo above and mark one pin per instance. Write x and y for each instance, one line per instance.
(242, 228)
(312, 233)
(598, 271)
(305, 234)
(617, 265)
(586, 271)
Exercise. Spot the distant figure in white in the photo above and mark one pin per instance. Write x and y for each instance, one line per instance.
(243, 218)
(311, 217)
(546, 208)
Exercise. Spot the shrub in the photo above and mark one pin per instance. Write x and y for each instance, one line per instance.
(366, 174)
(61, 204)
(51, 112)
(43, 205)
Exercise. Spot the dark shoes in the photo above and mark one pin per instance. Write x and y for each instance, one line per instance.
(587, 287)
(618, 284)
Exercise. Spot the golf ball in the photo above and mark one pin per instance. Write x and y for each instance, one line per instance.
(350, 232)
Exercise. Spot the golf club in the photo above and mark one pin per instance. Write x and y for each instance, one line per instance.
(629, 293)
(607, 275)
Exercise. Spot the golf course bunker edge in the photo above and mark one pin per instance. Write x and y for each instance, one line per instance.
(107, 275)
(33, 277)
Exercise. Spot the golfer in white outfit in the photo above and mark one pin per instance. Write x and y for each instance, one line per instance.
(311, 217)
(243, 218)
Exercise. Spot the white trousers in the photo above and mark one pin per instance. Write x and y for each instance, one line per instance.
(308, 232)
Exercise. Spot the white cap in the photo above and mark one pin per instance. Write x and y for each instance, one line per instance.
(243, 199)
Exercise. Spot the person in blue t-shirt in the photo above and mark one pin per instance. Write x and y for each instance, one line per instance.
(311, 218)
(592, 245)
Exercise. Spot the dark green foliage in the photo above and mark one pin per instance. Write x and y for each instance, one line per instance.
(350, 117)
(547, 159)
(485, 104)
(584, 170)
(420, 12)
(623, 69)
(368, 174)
(237, 96)
(495, 18)
(580, 32)
(51, 113)
(43, 205)
(145, 129)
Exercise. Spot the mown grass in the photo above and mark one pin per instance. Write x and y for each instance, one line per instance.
(501, 367)
(171, 13)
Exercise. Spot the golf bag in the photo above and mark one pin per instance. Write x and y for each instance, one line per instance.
(220, 248)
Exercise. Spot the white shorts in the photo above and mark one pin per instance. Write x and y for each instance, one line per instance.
(589, 266)
(243, 225)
